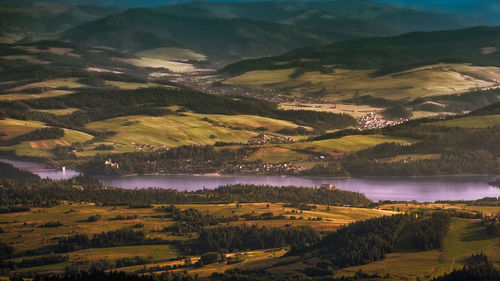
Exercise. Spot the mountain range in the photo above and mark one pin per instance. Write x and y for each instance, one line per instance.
(228, 32)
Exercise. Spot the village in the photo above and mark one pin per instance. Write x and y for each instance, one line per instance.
(377, 121)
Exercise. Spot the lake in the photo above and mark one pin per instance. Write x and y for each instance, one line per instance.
(423, 189)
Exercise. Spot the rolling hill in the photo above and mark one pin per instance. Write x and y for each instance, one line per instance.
(230, 38)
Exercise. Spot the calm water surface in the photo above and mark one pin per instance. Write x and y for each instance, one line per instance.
(376, 188)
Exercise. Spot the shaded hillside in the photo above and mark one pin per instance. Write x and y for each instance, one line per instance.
(486, 10)
(478, 45)
(229, 38)
(328, 14)
(30, 23)
(232, 31)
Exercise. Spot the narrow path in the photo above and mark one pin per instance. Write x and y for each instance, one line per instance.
(455, 258)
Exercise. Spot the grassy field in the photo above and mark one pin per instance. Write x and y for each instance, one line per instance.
(50, 88)
(471, 122)
(344, 145)
(23, 231)
(68, 82)
(25, 96)
(344, 84)
(12, 128)
(168, 130)
(173, 130)
(466, 236)
(277, 155)
(412, 157)
(41, 148)
(173, 66)
(64, 111)
(73, 216)
(250, 122)
(351, 109)
(173, 54)
(130, 85)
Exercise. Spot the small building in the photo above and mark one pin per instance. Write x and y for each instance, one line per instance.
(110, 163)
(328, 186)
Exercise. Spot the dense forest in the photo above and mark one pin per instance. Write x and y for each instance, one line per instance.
(478, 267)
(432, 231)
(183, 159)
(462, 151)
(233, 238)
(367, 241)
(115, 238)
(192, 220)
(385, 54)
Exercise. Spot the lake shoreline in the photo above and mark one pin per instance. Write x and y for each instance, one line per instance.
(50, 167)
(379, 188)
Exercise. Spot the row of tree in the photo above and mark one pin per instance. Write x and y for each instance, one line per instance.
(244, 237)
(23, 188)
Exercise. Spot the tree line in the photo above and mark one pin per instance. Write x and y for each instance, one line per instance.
(114, 238)
(101, 104)
(23, 188)
(370, 240)
(244, 237)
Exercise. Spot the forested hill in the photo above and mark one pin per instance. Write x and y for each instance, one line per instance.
(229, 32)
(477, 45)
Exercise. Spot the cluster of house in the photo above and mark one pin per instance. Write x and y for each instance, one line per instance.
(270, 140)
(376, 121)
(139, 147)
(278, 168)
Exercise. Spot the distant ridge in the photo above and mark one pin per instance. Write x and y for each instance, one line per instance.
(228, 32)
(477, 45)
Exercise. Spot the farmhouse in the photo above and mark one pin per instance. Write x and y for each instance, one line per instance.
(110, 163)
(328, 186)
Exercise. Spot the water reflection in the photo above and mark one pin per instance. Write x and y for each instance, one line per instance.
(422, 189)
